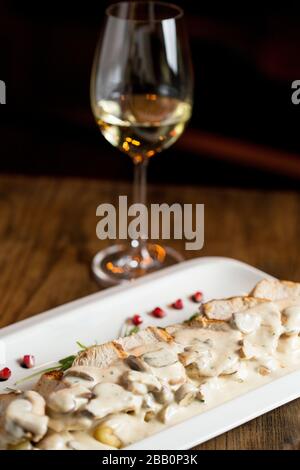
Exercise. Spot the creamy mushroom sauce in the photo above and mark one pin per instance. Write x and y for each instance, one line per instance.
(169, 383)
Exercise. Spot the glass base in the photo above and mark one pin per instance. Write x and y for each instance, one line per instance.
(119, 263)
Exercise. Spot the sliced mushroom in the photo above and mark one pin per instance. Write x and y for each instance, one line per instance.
(195, 353)
(164, 396)
(77, 421)
(88, 376)
(168, 412)
(260, 344)
(150, 406)
(55, 441)
(269, 363)
(79, 374)
(289, 343)
(248, 350)
(69, 399)
(265, 339)
(186, 394)
(37, 402)
(112, 398)
(213, 367)
(291, 320)
(173, 374)
(194, 371)
(246, 322)
(25, 418)
(149, 402)
(136, 363)
(137, 388)
(160, 358)
(140, 382)
(126, 427)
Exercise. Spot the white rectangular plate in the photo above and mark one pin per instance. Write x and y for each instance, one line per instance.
(99, 317)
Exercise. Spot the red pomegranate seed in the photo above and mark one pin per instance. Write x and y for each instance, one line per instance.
(158, 312)
(197, 297)
(28, 361)
(5, 374)
(137, 320)
(178, 304)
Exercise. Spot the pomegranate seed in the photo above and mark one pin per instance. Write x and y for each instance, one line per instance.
(5, 374)
(178, 304)
(28, 361)
(197, 297)
(137, 320)
(158, 312)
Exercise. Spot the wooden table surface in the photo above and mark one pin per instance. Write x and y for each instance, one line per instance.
(48, 238)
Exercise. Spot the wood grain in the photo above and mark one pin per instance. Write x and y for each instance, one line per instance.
(47, 240)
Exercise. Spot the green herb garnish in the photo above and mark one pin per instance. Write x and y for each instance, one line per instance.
(66, 363)
(133, 330)
(81, 346)
(195, 315)
(62, 365)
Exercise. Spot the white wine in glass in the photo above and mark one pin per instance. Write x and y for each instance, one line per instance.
(142, 125)
(141, 96)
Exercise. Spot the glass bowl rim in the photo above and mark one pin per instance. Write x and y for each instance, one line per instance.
(178, 11)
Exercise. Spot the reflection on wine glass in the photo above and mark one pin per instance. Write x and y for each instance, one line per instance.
(141, 96)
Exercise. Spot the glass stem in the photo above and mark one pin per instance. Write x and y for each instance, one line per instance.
(140, 183)
(140, 197)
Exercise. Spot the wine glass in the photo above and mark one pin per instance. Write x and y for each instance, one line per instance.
(141, 97)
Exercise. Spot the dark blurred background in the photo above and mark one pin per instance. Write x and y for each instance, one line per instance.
(244, 130)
